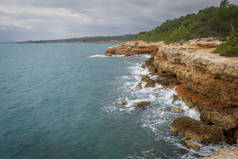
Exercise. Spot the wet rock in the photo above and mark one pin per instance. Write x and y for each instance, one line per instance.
(196, 130)
(177, 110)
(151, 83)
(141, 104)
(225, 153)
(123, 101)
(190, 144)
(145, 78)
(139, 86)
(218, 118)
(175, 98)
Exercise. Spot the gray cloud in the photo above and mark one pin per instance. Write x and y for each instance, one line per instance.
(51, 19)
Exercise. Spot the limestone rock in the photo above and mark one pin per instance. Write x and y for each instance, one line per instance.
(123, 101)
(141, 104)
(219, 118)
(196, 130)
(177, 110)
(190, 144)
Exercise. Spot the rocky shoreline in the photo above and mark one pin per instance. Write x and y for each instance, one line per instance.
(204, 81)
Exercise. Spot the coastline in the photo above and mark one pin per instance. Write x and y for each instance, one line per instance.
(206, 82)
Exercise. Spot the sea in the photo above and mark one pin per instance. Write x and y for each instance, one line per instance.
(62, 101)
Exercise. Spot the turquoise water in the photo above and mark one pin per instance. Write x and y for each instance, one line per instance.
(60, 101)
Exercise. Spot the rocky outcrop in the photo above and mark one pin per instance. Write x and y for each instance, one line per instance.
(131, 48)
(196, 130)
(205, 81)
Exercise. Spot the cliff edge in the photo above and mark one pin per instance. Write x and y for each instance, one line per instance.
(205, 81)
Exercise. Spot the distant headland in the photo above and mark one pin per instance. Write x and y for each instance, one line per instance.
(96, 39)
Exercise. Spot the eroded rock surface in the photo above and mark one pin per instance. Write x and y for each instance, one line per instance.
(196, 130)
(220, 117)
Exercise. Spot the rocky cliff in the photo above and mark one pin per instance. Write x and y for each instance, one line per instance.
(205, 81)
(132, 48)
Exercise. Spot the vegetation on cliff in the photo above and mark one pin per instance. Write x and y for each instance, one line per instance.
(213, 21)
(219, 22)
(230, 47)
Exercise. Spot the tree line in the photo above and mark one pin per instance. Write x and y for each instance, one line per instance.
(221, 22)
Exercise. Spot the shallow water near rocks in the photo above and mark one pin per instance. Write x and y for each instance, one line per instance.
(62, 101)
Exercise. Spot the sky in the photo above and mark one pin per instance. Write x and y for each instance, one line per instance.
(56, 19)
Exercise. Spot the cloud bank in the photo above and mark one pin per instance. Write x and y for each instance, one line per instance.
(54, 19)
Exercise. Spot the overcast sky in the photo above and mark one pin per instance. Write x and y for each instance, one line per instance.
(54, 19)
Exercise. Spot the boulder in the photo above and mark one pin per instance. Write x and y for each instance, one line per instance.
(139, 86)
(190, 144)
(219, 118)
(141, 104)
(196, 130)
(177, 110)
(123, 101)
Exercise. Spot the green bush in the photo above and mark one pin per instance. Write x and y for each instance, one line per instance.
(230, 47)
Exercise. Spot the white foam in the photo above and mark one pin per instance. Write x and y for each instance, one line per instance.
(113, 46)
(118, 55)
(141, 56)
(98, 56)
